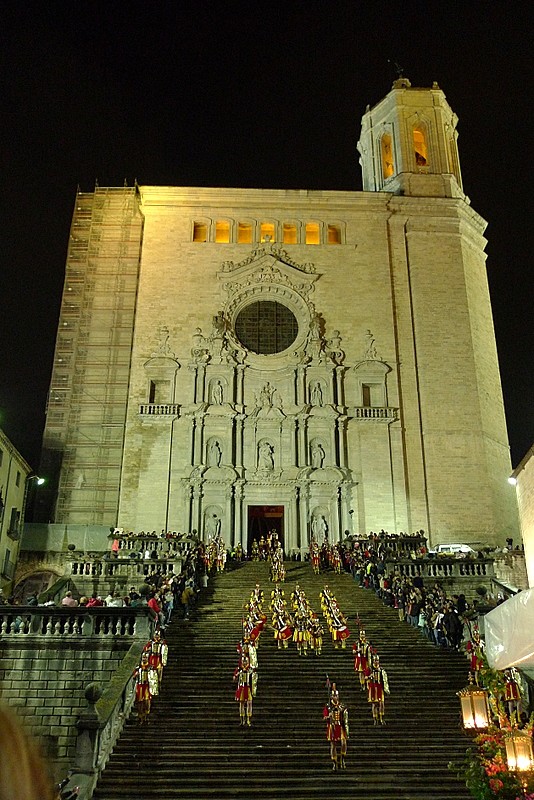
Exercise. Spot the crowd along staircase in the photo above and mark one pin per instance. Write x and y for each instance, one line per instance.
(194, 746)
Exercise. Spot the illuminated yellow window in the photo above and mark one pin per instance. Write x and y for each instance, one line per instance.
(334, 234)
(200, 232)
(244, 233)
(222, 231)
(420, 147)
(290, 233)
(312, 233)
(267, 232)
(386, 149)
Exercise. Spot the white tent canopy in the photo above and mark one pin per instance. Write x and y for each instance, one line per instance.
(509, 632)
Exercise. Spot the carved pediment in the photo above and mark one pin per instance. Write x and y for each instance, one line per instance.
(268, 265)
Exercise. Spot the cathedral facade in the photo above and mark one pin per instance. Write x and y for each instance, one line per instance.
(315, 362)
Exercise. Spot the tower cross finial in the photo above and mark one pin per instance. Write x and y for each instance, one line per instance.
(398, 69)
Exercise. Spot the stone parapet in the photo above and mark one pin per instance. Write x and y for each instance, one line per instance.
(32, 623)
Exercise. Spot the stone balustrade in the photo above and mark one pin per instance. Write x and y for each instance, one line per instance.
(437, 568)
(129, 569)
(64, 623)
(159, 409)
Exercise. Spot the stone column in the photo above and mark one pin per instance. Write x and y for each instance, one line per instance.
(238, 513)
(296, 536)
(304, 516)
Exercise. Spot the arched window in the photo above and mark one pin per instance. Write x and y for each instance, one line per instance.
(200, 232)
(244, 233)
(333, 234)
(386, 150)
(420, 146)
(267, 232)
(222, 231)
(312, 233)
(290, 233)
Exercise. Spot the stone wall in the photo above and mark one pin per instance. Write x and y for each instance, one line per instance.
(46, 665)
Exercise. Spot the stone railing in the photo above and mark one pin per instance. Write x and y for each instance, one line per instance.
(101, 724)
(64, 623)
(129, 569)
(436, 569)
(370, 412)
(159, 409)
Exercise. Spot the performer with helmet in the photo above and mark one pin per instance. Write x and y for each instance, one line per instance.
(377, 688)
(337, 728)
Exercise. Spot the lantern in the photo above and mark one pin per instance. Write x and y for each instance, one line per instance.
(475, 706)
(519, 751)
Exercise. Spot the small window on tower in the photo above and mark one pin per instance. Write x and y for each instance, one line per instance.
(200, 232)
(222, 231)
(244, 233)
(267, 232)
(420, 147)
(388, 165)
(290, 233)
(312, 233)
(366, 395)
(334, 234)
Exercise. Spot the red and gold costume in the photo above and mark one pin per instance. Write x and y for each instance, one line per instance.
(512, 693)
(337, 728)
(377, 688)
(362, 658)
(244, 691)
(336, 621)
(315, 556)
(143, 695)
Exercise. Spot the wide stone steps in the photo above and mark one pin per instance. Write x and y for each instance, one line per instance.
(194, 746)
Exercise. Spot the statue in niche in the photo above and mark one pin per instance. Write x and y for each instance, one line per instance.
(213, 526)
(370, 349)
(217, 393)
(265, 457)
(317, 455)
(214, 454)
(316, 394)
(319, 528)
(266, 396)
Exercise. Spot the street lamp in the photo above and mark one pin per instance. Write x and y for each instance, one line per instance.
(519, 751)
(475, 706)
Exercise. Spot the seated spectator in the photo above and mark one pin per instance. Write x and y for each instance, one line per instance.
(95, 601)
(69, 601)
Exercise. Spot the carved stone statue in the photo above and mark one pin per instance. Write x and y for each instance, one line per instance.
(370, 349)
(334, 348)
(265, 457)
(266, 396)
(213, 526)
(199, 350)
(217, 393)
(317, 455)
(316, 394)
(214, 454)
(319, 528)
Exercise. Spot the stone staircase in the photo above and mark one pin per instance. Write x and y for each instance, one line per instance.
(194, 746)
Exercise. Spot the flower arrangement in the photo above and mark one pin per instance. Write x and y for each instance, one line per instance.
(485, 768)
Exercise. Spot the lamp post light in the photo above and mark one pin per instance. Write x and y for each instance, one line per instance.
(519, 753)
(475, 706)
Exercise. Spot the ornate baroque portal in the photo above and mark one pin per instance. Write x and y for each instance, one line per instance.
(268, 419)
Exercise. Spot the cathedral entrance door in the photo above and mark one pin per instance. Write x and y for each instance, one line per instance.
(261, 520)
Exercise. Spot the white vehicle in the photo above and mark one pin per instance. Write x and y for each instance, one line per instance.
(452, 549)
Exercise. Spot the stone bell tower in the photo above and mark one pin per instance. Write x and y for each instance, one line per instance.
(408, 144)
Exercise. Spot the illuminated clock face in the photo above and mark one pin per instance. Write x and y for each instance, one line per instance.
(266, 327)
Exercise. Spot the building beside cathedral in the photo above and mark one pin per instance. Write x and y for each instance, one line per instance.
(311, 361)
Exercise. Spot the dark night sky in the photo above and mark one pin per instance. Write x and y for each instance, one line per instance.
(266, 95)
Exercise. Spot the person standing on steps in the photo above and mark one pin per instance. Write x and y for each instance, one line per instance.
(244, 692)
(337, 728)
(377, 688)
